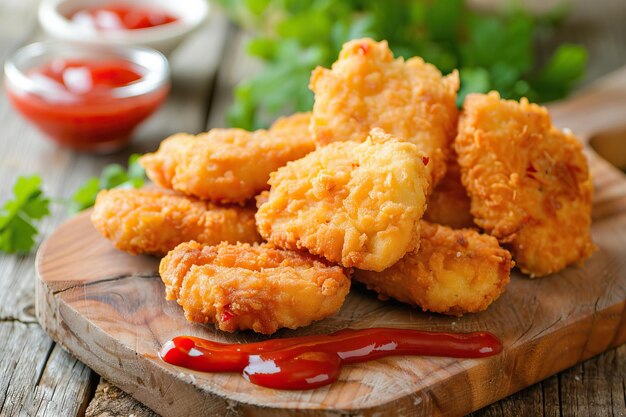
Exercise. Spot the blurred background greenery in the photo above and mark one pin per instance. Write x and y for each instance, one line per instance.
(492, 50)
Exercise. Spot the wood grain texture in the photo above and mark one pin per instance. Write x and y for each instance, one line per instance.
(110, 401)
(108, 309)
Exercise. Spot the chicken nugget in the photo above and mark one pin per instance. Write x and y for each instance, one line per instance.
(529, 183)
(154, 221)
(261, 288)
(354, 203)
(368, 88)
(453, 272)
(227, 165)
(296, 129)
(449, 204)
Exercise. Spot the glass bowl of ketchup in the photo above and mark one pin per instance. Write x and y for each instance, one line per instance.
(87, 98)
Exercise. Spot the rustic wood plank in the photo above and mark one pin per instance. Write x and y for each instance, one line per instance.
(110, 401)
(38, 377)
(592, 388)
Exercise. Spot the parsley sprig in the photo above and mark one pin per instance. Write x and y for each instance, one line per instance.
(492, 52)
(20, 215)
(112, 176)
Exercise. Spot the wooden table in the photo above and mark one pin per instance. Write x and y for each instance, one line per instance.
(38, 378)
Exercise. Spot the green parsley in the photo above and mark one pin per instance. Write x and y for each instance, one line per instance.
(113, 176)
(18, 215)
(492, 52)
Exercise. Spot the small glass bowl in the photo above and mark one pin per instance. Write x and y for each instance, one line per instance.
(102, 121)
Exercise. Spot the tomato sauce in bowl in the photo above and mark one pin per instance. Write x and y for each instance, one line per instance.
(121, 16)
(86, 101)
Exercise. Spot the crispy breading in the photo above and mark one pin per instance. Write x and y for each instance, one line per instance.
(453, 272)
(368, 88)
(227, 165)
(154, 221)
(529, 183)
(449, 204)
(354, 203)
(261, 288)
(294, 128)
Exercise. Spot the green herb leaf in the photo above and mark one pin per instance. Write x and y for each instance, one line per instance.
(85, 196)
(113, 176)
(17, 231)
(557, 78)
(473, 80)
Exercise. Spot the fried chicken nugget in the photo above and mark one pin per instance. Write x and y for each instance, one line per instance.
(453, 272)
(354, 203)
(228, 165)
(368, 88)
(529, 183)
(449, 204)
(262, 288)
(154, 221)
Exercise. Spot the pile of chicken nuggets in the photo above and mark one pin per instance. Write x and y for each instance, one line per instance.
(385, 182)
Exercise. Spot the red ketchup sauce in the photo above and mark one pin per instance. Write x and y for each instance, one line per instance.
(121, 16)
(313, 361)
(79, 107)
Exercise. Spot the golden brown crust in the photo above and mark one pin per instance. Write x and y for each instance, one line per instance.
(154, 221)
(227, 165)
(453, 272)
(368, 88)
(356, 204)
(449, 203)
(240, 287)
(529, 183)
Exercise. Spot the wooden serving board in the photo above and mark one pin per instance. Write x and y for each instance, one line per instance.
(108, 309)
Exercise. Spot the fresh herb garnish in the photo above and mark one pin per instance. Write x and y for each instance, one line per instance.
(113, 176)
(18, 215)
(492, 52)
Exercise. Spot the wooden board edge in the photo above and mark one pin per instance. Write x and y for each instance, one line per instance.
(141, 376)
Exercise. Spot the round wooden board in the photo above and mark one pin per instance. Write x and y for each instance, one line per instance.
(108, 309)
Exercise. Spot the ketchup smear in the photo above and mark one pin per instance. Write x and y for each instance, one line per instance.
(313, 361)
(78, 106)
(121, 16)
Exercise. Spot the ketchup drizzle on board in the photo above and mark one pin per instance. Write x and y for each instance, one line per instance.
(313, 361)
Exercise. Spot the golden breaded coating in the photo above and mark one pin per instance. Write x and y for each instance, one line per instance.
(294, 128)
(453, 272)
(449, 203)
(154, 221)
(227, 165)
(529, 183)
(368, 88)
(354, 203)
(240, 287)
